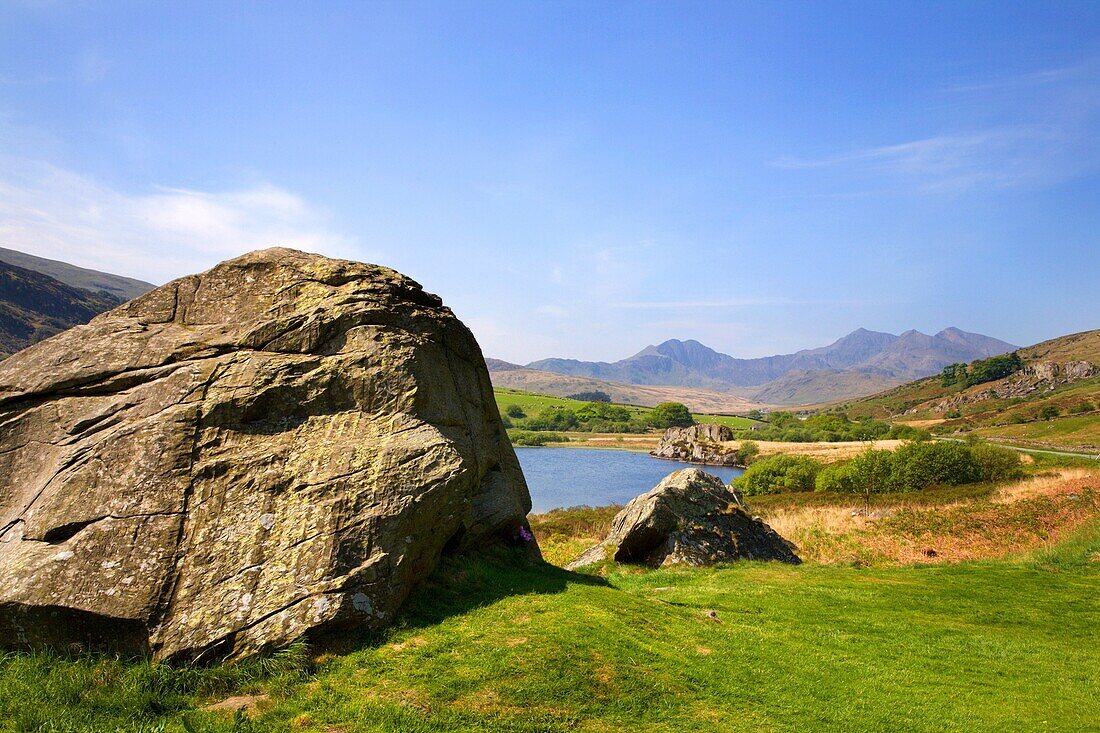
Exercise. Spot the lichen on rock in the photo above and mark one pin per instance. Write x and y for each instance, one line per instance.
(281, 446)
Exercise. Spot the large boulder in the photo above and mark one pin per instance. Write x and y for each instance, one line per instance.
(690, 518)
(281, 446)
(701, 443)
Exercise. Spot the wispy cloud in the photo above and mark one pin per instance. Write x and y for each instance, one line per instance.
(1047, 124)
(1034, 78)
(156, 234)
(997, 157)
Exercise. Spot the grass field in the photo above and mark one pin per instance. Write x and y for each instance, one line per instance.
(532, 404)
(505, 646)
(1076, 431)
(879, 643)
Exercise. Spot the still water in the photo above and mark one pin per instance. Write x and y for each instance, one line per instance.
(563, 477)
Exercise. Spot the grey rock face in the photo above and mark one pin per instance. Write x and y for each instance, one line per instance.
(690, 518)
(283, 445)
(697, 444)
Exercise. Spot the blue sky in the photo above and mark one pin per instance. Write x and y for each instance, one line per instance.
(582, 179)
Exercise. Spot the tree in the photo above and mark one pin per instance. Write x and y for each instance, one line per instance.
(755, 415)
(593, 396)
(870, 471)
(515, 411)
(1049, 412)
(671, 415)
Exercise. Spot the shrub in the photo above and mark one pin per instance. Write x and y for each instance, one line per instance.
(778, 473)
(1049, 412)
(553, 418)
(671, 415)
(872, 471)
(916, 466)
(515, 411)
(747, 452)
(528, 438)
(908, 432)
(836, 477)
(1082, 407)
(996, 463)
(603, 411)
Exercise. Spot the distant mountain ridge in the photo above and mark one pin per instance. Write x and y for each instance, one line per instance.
(119, 287)
(34, 306)
(41, 297)
(859, 363)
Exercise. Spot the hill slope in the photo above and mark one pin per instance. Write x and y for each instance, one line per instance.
(121, 288)
(1053, 401)
(34, 306)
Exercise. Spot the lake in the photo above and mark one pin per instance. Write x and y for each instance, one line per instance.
(564, 477)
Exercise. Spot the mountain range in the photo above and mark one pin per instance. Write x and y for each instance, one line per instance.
(863, 362)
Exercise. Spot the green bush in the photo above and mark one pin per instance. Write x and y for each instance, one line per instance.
(996, 463)
(747, 452)
(515, 411)
(908, 432)
(787, 428)
(836, 477)
(553, 418)
(779, 473)
(1082, 407)
(916, 466)
(1049, 412)
(528, 438)
(872, 472)
(671, 415)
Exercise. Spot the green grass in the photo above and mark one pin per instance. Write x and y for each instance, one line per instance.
(502, 645)
(532, 404)
(1076, 430)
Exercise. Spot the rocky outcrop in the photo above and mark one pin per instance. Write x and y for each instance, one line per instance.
(697, 444)
(1039, 377)
(281, 446)
(690, 518)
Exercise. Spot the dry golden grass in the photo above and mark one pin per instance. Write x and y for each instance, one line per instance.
(624, 441)
(920, 423)
(824, 452)
(1025, 515)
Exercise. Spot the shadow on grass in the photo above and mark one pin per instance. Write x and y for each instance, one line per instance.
(462, 584)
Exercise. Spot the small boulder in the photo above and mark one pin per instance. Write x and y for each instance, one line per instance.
(690, 518)
(697, 444)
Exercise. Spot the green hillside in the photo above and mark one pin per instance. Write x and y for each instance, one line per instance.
(1029, 406)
